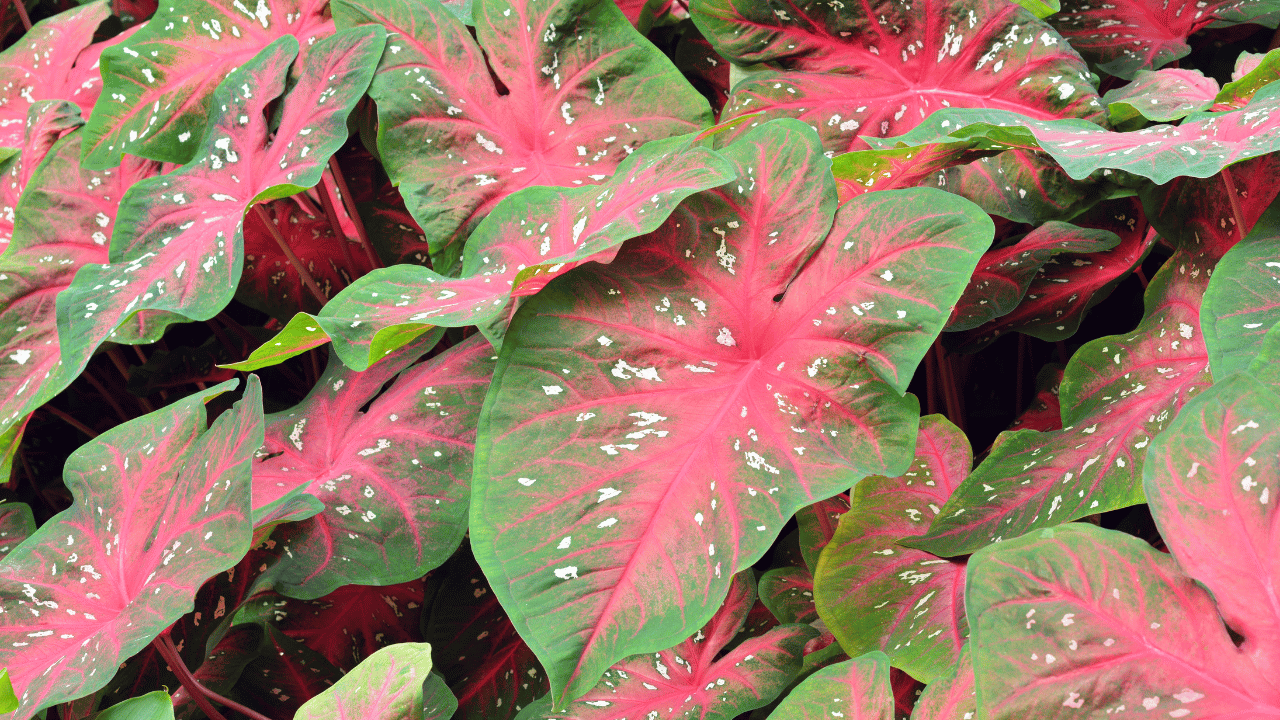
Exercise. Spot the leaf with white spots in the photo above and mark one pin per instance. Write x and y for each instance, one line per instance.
(854, 70)
(477, 650)
(176, 250)
(1118, 392)
(856, 689)
(51, 62)
(61, 224)
(863, 171)
(393, 478)
(691, 679)
(1005, 273)
(1202, 145)
(1077, 621)
(1066, 287)
(159, 85)
(574, 90)
(817, 524)
(654, 422)
(1253, 72)
(16, 525)
(1242, 301)
(874, 594)
(1123, 37)
(528, 239)
(1213, 483)
(160, 505)
(951, 695)
(1161, 96)
(284, 675)
(788, 593)
(386, 686)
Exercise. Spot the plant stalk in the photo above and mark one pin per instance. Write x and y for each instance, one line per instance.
(108, 397)
(307, 280)
(164, 645)
(330, 212)
(1235, 201)
(71, 421)
(349, 203)
(22, 14)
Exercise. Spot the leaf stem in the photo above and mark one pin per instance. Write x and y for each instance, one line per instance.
(307, 280)
(108, 397)
(340, 236)
(117, 359)
(930, 384)
(349, 203)
(70, 421)
(164, 645)
(22, 14)
(1235, 201)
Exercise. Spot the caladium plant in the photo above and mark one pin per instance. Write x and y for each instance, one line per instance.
(589, 359)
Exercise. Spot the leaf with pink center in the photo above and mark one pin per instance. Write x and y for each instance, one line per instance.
(60, 225)
(1118, 392)
(951, 695)
(16, 525)
(1242, 301)
(386, 686)
(691, 679)
(528, 239)
(176, 250)
(1045, 412)
(788, 593)
(393, 479)
(574, 90)
(863, 171)
(284, 675)
(161, 491)
(1123, 37)
(46, 122)
(857, 688)
(50, 62)
(853, 71)
(817, 524)
(1160, 96)
(1005, 273)
(1253, 72)
(160, 86)
(1077, 621)
(1212, 481)
(627, 470)
(877, 595)
(1067, 287)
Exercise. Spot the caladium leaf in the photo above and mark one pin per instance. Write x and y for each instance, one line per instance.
(1212, 479)
(1125, 36)
(876, 595)
(701, 412)
(1005, 273)
(155, 705)
(691, 680)
(159, 490)
(477, 650)
(1045, 412)
(1118, 392)
(285, 675)
(1252, 73)
(176, 251)
(1200, 147)
(221, 668)
(951, 696)
(1162, 96)
(1066, 288)
(817, 524)
(1082, 619)
(853, 71)
(857, 688)
(386, 686)
(456, 144)
(887, 169)
(16, 525)
(160, 85)
(45, 123)
(530, 238)
(788, 593)
(60, 225)
(393, 479)
(1242, 301)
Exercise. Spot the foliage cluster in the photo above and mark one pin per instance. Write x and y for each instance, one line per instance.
(567, 359)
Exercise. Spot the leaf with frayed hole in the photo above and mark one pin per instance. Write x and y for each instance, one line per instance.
(546, 94)
(159, 491)
(874, 594)
(654, 422)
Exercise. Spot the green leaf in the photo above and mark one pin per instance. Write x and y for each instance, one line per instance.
(1264, 71)
(1242, 302)
(857, 688)
(8, 701)
(155, 705)
(387, 685)
(1041, 8)
(1162, 96)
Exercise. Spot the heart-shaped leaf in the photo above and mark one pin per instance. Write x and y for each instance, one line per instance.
(159, 87)
(1253, 72)
(16, 525)
(1118, 392)
(1125, 36)
(854, 70)
(176, 251)
(1004, 274)
(393, 478)
(284, 675)
(1162, 96)
(530, 238)
(788, 593)
(857, 688)
(1242, 301)
(692, 678)
(701, 412)
(386, 686)
(876, 595)
(1045, 412)
(950, 696)
(1212, 480)
(160, 491)
(552, 93)
(1055, 611)
(817, 524)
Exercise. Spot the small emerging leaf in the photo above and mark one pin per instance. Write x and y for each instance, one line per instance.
(388, 685)
(152, 706)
